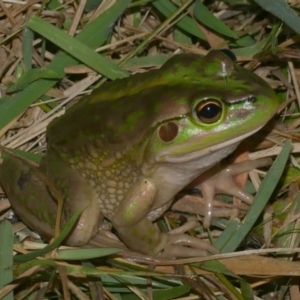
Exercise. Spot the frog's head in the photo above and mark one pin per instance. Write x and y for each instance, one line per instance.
(210, 104)
(192, 107)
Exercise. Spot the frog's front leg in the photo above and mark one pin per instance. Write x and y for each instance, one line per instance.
(220, 180)
(140, 234)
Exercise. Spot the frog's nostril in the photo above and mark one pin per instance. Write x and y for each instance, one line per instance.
(167, 132)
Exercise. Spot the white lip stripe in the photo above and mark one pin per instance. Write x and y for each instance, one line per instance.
(193, 155)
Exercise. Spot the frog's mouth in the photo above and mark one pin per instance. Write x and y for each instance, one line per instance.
(228, 145)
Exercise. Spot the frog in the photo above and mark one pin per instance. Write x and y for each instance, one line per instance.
(124, 152)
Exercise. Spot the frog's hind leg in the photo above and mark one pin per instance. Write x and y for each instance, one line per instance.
(28, 195)
(34, 204)
(78, 195)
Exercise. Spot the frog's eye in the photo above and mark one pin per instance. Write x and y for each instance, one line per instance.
(209, 111)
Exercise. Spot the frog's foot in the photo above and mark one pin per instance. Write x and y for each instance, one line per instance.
(190, 224)
(105, 239)
(176, 244)
(179, 243)
(221, 181)
(183, 245)
(145, 238)
(195, 205)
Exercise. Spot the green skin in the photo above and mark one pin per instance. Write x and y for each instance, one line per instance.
(126, 150)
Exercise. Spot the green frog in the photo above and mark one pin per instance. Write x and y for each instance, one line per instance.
(127, 149)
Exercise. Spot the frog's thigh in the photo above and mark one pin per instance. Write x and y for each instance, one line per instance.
(28, 195)
(78, 195)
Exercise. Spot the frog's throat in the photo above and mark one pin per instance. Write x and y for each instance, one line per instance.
(189, 156)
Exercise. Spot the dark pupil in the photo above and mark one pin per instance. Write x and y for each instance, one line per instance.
(209, 111)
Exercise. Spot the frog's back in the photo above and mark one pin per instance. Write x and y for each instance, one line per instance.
(125, 110)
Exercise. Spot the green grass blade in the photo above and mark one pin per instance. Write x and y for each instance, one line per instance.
(64, 233)
(6, 256)
(208, 19)
(77, 49)
(283, 11)
(27, 48)
(173, 293)
(31, 76)
(93, 35)
(84, 254)
(226, 237)
(167, 8)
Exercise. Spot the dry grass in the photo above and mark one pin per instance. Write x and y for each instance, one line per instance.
(42, 70)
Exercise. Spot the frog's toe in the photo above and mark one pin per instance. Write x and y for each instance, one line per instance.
(190, 224)
(182, 245)
(105, 239)
(226, 184)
